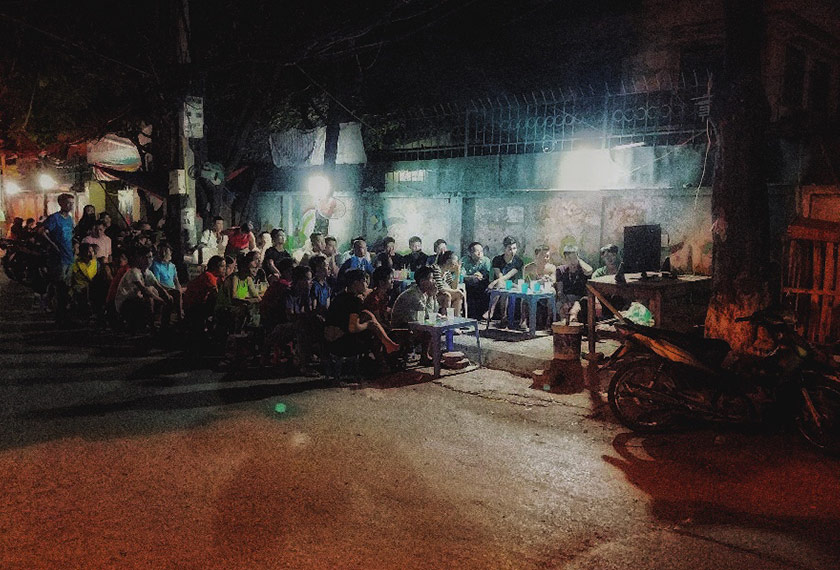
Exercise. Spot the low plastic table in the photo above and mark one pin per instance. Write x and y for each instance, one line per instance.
(444, 326)
(531, 298)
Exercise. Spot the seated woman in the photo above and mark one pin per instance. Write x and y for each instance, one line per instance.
(83, 273)
(350, 330)
(446, 274)
(238, 301)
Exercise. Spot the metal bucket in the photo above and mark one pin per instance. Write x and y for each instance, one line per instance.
(567, 340)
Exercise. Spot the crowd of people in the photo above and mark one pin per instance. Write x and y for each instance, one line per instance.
(300, 306)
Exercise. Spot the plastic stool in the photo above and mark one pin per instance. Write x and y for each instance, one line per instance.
(337, 364)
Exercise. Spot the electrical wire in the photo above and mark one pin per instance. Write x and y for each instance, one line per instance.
(331, 96)
(705, 162)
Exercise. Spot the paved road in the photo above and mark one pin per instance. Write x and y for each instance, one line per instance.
(118, 453)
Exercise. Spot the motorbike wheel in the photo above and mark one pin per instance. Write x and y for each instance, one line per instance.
(632, 396)
(818, 421)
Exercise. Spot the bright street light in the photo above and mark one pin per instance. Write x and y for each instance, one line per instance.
(46, 182)
(319, 186)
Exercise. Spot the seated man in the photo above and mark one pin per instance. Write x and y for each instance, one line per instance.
(541, 271)
(316, 245)
(292, 317)
(476, 271)
(139, 294)
(332, 256)
(274, 254)
(164, 270)
(419, 298)
(609, 253)
(377, 300)
(415, 259)
(321, 290)
(350, 330)
(506, 267)
(200, 296)
(438, 248)
(359, 259)
(571, 285)
(447, 275)
(389, 257)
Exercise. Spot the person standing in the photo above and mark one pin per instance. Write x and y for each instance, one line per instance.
(213, 241)
(60, 226)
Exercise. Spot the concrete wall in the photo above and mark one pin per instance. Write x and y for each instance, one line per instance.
(581, 198)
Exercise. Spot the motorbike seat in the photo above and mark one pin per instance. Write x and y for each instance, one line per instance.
(710, 351)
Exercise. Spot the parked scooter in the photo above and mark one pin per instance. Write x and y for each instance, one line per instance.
(665, 378)
(26, 263)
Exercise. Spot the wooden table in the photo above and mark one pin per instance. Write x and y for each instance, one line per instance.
(531, 298)
(654, 292)
(445, 326)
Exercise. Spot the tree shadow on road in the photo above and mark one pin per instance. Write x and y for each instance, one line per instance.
(757, 481)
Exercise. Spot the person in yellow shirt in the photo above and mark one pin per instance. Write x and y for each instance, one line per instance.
(83, 272)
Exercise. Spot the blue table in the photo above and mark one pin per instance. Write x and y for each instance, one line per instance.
(444, 326)
(531, 298)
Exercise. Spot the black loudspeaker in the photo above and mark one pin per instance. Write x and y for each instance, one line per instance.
(641, 248)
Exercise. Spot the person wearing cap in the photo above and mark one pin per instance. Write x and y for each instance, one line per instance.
(609, 253)
(570, 285)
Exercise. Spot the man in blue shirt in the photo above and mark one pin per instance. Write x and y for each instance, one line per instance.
(359, 259)
(60, 228)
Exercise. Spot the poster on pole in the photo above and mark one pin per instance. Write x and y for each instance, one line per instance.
(194, 117)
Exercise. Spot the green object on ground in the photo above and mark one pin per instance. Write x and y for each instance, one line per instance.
(547, 387)
(280, 407)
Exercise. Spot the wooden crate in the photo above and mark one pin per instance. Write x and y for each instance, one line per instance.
(811, 277)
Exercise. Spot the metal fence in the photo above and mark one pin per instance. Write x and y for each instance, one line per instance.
(652, 113)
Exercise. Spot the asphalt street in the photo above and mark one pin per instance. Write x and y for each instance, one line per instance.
(118, 452)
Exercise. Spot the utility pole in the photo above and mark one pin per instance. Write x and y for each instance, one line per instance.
(189, 124)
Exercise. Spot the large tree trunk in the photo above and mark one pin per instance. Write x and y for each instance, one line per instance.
(740, 208)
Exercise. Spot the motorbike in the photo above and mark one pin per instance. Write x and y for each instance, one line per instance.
(664, 379)
(25, 263)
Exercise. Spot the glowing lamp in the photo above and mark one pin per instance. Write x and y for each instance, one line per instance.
(11, 187)
(319, 186)
(46, 182)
